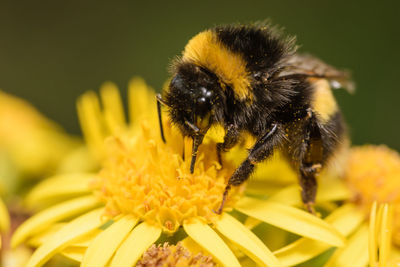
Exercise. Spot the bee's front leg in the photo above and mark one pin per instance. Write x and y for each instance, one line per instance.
(261, 150)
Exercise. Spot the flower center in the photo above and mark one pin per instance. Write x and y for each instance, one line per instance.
(173, 255)
(373, 174)
(143, 176)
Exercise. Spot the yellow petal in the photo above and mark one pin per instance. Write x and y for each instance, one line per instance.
(74, 253)
(372, 244)
(355, 253)
(251, 222)
(68, 234)
(140, 99)
(4, 217)
(289, 195)
(106, 243)
(207, 238)
(265, 188)
(112, 103)
(385, 235)
(45, 218)
(290, 219)
(192, 246)
(86, 240)
(41, 237)
(345, 219)
(138, 241)
(327, 191)
(63, 185)
(241, 236)
(90, 118)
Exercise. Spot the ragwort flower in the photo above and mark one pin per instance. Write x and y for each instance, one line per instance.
(144, 192)
(369, 216)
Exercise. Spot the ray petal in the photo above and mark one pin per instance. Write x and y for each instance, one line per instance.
(68, 234)
(139, 99)
(290, 219)
(207, 238)
(345, 219)
(372, 245)
(74, 253)
(41, 237)
(62, 185)
(86, 240)
(90, 118)
(327, 191)
(137, 242)
(106, 243)
(354, 254)
(111, 99)
(45, 218)
(385, 235)
(241, 236)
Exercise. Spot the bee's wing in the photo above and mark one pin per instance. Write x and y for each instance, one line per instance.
(305, 64)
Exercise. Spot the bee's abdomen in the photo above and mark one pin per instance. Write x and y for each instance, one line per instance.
(323, 102)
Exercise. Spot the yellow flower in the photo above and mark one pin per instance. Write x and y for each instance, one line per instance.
(373, 175)
(30, 145)
(372, 200)
(145, 192)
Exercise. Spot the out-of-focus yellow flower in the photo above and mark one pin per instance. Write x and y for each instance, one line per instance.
(145, 191)
(30, 144)
(370, 216)
(373, 175)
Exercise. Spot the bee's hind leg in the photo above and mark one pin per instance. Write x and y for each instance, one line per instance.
(262, 149)
(311, 162)
(308, 183)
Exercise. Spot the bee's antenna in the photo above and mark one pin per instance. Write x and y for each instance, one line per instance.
(159, 102)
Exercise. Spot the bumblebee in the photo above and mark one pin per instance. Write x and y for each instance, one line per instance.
(250, 79)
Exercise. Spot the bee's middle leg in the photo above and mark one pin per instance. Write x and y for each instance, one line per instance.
(230, 140)
(262, 149)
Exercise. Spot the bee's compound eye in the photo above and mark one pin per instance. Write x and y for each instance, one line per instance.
(177, 81)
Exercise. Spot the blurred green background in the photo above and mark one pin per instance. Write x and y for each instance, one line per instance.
(52, 51)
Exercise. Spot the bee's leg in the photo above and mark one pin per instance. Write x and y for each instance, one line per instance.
(230, 140)
(308, 183)
(262, 149)
(311, 162)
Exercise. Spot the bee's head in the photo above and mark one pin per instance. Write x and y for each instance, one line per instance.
(192, 98)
